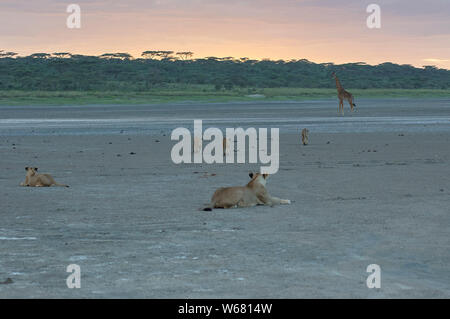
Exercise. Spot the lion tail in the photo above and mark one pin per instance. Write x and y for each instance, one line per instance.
(208, 208)
(61, 185)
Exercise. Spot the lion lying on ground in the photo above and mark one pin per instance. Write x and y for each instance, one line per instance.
(33, 179)
(252, 194)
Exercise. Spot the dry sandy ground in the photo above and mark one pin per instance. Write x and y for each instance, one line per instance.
(131, 221)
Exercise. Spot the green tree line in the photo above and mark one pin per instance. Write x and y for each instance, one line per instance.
(63, 71)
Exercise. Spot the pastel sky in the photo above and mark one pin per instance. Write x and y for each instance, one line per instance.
(413, 32)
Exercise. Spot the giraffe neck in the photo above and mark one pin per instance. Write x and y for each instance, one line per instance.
(338, 84)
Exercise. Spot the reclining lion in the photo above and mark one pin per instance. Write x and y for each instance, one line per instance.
(252, 194)
(33, 179)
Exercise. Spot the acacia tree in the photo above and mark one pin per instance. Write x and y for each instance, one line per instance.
(7, 54)
(157, 54)
(165, 54)
(62, 55)
(40, 56)
(120, 56)
(185, 55)
(149, 54)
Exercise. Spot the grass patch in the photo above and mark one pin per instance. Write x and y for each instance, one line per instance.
(199, 93)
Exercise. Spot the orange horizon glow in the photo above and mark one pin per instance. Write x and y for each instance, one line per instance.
(320, 31)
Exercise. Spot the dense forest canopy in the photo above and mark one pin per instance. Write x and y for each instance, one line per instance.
(120, 71)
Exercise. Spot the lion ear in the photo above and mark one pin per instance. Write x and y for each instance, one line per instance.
(250, 174)
(26, 168)
(36, 169)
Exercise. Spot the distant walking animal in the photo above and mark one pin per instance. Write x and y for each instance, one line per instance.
(33, 179)
(252, 194)
(343, 95)
(197, 145)
(226, 144)
(305, 133)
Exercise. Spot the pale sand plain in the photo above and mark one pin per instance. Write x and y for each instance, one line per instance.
(366, 190)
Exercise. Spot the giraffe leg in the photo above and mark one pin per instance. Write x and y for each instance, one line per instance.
(350, 101)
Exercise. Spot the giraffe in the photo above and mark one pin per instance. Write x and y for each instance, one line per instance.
(343, 94)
